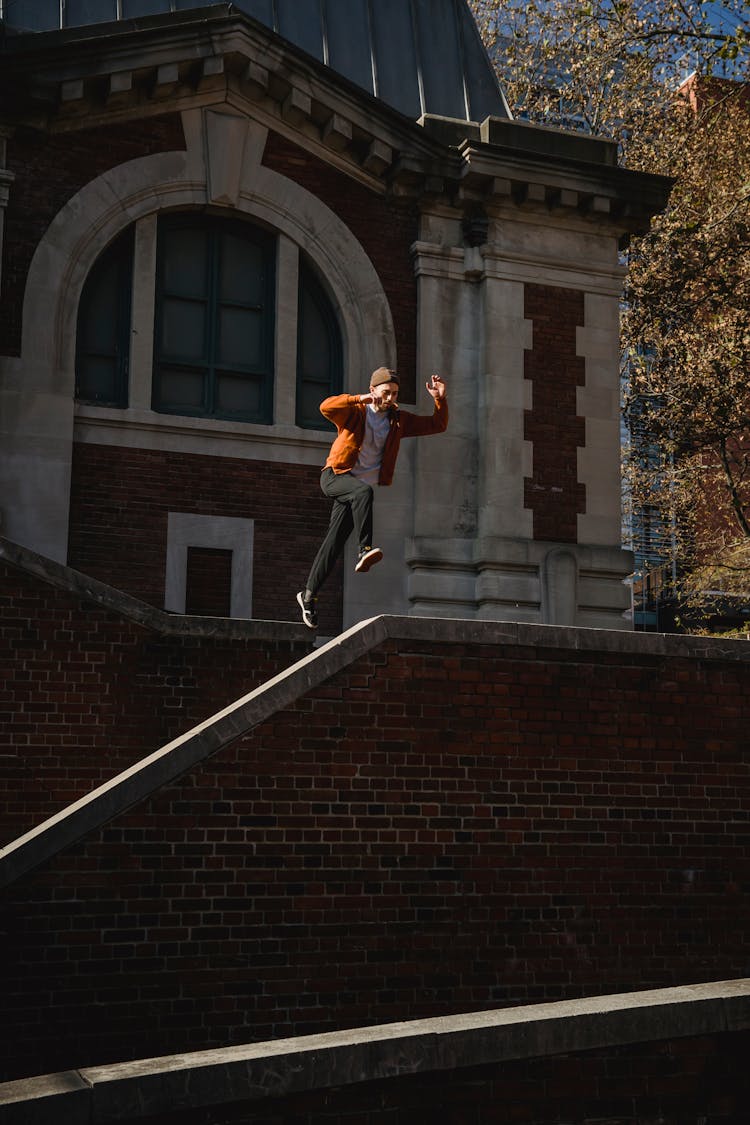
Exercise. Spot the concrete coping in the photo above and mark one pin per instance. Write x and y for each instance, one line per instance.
(177, 757)
(249, 1072)
(157, 620)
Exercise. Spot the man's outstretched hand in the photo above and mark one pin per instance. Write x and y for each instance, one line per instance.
(436, 387)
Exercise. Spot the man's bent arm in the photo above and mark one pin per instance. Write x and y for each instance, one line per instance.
(338, 405)
(419, 425)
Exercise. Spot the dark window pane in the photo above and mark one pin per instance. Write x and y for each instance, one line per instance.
(97, 376)
(240, 338)
(316, 359)
(99, 327)
(215, 312)
(103, 331)
(183, 388)
(239, 395)
(183, 329)
(319, 350)
(208, 590)
(184, 261)
(241, 272)
(309, 398)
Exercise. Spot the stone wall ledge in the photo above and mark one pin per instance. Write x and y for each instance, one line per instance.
(177, 757)
(133, 1091)
(156, 620)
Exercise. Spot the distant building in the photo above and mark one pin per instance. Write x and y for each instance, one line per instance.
(212, 218)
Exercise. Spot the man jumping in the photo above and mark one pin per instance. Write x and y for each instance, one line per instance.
(363, 454)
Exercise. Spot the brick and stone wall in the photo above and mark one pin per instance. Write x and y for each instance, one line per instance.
(49, 169)
(440, 825)
(553, 493)
(386, 226)
(85, 692)
(120, 500)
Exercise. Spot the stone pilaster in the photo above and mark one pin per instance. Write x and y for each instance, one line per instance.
(489, 540)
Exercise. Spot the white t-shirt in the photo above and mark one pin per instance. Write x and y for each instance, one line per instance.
(377, 425)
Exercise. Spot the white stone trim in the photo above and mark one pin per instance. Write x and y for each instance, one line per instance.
(285, 347)
(226, 533)
(147, 429)
(543, 270)
(142, 304)
(206, 175)
(104, 207)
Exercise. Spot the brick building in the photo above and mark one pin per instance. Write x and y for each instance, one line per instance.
(211, 833)
(213, 217)
(213, 837)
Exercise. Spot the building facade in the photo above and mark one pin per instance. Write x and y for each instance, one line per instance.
(212, 218)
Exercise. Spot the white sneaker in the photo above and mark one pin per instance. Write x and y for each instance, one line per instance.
(368, 556)
(309, 610)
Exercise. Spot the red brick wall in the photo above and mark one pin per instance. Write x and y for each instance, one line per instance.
(49, 170)
(385, 226)
(435, 829)
(208, 584)
(553, 492)
(85, 693)
(120, 500)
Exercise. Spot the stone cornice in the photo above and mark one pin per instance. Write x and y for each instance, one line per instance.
(487, 261)
(92, 76)
(84, 77)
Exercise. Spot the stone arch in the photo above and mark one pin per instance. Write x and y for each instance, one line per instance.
(220, 169)
(206, 174)
(559, 580)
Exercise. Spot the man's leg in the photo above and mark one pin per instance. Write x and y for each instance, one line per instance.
(351, 510)
(339, 529)
(358, 497)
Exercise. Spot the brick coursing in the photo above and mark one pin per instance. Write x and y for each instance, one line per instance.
(437, 828)
(85, 693)
(120, 500)
(208, 586)
(553, 492)
(385, 226)
(49, 169)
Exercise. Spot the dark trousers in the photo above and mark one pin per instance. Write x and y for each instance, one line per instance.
(352, 511)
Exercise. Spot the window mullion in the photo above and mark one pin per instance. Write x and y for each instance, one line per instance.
(212, 319)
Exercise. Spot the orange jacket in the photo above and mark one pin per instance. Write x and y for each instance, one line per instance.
(348, 415)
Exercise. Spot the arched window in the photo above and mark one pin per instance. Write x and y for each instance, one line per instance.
(204, 347)
(103, 336)
(319, 349)
(214, 330)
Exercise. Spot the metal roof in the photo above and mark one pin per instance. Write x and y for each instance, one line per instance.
(418, 56)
